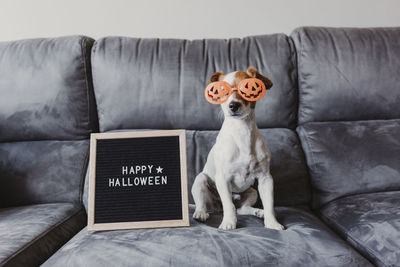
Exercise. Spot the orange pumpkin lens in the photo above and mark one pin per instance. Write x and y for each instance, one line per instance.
(217, 92)
(251, 89)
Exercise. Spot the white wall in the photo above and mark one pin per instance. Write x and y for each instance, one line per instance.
(186, 18)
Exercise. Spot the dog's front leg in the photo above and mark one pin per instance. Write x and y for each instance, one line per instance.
(266, 190)
(224, 190)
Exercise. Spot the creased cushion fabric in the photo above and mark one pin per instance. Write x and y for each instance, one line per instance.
(347, 158)
(370, 222)
(307, 241)
(31, 234)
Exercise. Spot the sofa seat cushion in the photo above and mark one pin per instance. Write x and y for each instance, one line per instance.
(370, 222)
(349, 158)
(306, 241)
(31, 234)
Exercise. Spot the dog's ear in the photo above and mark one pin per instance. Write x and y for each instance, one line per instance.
(252, 72)
(216, 77)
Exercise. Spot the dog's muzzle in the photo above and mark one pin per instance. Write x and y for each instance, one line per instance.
(234, 106)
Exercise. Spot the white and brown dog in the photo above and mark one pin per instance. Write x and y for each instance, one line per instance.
(237, 159)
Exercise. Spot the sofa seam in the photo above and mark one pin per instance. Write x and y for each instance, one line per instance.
(299, 56)
(335, 122)
(82, 44)
(310, 147)
(93, 51)
(295, 88)
(42, 235)
(83, 175)
(313, 162)
(304, 159)
(91, 122)
(85, 67)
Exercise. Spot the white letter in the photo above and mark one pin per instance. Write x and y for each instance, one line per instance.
(117, 182)
(136, 181)
(143, 180)
(157, 180)
(137, 169)
(124, 170)
(164, 179)
(131, 171)
(150, 167)
(110, 182)
(150, 180)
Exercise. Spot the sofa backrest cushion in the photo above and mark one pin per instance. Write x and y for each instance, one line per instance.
(346, 158)
(159, 83)
(45, 88)
(47, 111)
(348, 74)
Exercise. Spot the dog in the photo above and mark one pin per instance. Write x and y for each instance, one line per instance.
(238, 158)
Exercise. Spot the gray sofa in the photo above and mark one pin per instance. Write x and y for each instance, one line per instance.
(331, 121)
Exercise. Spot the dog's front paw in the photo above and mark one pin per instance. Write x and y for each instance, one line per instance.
(227, 224)
(259, 213)
(273, 224)
(201, 215)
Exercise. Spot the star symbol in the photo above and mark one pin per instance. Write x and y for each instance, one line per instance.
(159, 169)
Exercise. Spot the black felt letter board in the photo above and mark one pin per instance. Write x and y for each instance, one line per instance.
(128, 193)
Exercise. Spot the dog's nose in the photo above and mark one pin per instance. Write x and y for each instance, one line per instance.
(234, 106)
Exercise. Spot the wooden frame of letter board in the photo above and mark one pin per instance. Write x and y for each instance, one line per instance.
(142, 224)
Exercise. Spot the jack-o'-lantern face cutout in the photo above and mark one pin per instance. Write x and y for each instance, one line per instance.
(251, 89)
(217, 92)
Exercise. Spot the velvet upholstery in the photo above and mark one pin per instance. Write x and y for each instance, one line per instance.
(42, 172)
(348, 73)
(46, 89)
(137, 78)
(134, 79)
(31, 234)
(370, 222)
(47, 112)
(307, 241)
(346, 158)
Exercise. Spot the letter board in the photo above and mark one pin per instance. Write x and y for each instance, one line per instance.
(138, 180)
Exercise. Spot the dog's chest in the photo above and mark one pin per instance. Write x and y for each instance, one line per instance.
(243, 171)
(241, 155)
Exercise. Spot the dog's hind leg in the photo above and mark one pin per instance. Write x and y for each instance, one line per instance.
(244, 204)
(202, 196)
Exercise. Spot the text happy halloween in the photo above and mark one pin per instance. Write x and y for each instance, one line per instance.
(143, 176)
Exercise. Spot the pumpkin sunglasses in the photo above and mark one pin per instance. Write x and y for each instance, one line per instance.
(251, 89)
